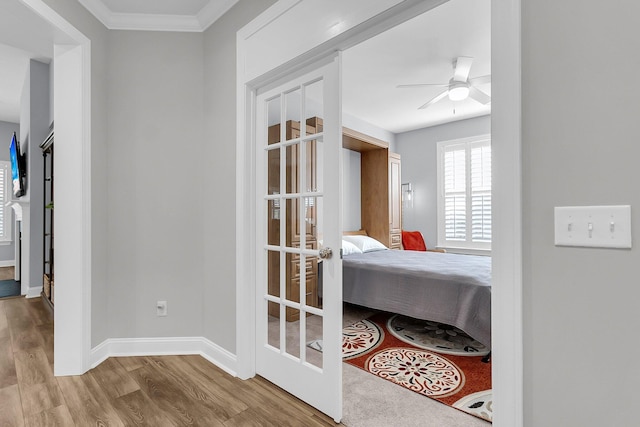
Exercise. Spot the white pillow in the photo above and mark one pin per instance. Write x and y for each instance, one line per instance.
(349, 248)
(365, 243)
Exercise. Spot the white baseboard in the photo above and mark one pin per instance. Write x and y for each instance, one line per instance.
(10, 263)
(129, 347)
(34, 292)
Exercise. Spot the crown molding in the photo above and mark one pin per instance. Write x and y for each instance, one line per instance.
(212, 12)
(154, 22)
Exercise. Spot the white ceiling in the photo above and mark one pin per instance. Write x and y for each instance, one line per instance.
(418, 51)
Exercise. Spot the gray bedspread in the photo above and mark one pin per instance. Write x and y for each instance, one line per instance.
(441, 287)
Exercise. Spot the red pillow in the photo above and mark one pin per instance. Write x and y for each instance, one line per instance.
(413, 241)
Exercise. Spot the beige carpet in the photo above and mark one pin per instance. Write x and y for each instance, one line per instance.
(369, 401)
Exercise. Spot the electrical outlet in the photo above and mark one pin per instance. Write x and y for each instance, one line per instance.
(161, 308)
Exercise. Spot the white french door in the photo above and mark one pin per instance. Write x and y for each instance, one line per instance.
(298, 237)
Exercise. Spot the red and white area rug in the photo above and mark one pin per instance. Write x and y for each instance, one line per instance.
(435, 360)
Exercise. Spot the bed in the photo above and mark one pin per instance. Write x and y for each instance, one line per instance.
(442, 287)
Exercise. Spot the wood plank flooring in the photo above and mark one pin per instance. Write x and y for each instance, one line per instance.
(127, 391)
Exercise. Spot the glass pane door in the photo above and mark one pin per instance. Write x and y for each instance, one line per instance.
(293, 323)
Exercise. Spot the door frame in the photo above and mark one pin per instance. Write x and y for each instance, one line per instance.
(507, 329)
(72, 116)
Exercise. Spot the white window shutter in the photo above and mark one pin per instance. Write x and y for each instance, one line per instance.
(464, 200)
(481, 193)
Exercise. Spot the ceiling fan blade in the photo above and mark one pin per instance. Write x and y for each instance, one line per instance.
(481, 80)
(479, 96)
(421, 85)
(462, 68)
(434, 100)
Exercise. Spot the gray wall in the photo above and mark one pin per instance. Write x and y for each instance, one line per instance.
(218, 197)
(351, 186)
(580, 147)
(34, 128)
(155, 183)
(7, 252)
(419, 167)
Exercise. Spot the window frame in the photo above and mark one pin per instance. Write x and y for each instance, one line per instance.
(467, 246)
(6, 237)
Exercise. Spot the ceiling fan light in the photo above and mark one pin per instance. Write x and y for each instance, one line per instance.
(458, 92)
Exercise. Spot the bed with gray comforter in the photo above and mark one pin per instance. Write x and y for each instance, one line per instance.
(441, 287)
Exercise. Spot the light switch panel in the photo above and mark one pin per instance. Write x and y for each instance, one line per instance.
(593, 226)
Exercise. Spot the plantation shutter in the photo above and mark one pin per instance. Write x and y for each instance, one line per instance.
(455, 193)
(481, 192)
(464, 199)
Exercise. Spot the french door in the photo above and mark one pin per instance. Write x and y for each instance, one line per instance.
(299, 226)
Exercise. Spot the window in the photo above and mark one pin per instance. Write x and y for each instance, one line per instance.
(5, 211)
(464, 193)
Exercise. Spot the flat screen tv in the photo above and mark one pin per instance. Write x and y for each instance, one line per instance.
(17, 167)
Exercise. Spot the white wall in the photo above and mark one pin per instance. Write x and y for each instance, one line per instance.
(580, 147)
(419, 167)
(219, 161)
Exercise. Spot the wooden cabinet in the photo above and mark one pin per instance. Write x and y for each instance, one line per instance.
(381, 197)
(300, 216)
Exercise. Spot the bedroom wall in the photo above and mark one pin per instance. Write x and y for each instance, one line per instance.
(155, 118)
(419, 167)
(580, 132)
(218, 222)
(7, 251)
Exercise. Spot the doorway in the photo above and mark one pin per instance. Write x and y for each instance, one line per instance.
(507, 275)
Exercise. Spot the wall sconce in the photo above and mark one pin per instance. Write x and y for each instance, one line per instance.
(407, 195)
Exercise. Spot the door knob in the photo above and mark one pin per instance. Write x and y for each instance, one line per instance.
(325, 253)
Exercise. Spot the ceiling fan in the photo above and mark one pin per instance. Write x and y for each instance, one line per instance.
(460, 86)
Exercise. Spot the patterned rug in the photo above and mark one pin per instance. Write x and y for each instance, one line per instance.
(435, 360)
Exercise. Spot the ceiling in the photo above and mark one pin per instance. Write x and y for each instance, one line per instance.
(418, 51)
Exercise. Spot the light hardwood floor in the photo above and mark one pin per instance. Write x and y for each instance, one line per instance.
(127, 391)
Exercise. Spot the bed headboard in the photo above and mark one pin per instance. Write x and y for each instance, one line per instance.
(355, 233)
